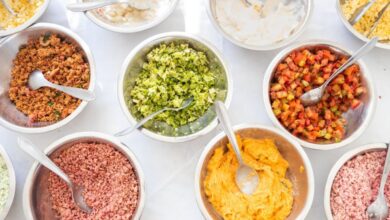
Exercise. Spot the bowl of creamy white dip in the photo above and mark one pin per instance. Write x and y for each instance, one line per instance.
(260, 25)
(123, 18)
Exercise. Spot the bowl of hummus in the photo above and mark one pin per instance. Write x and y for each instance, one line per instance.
(286, 186)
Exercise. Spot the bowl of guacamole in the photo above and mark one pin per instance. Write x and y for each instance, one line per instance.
(164, 71)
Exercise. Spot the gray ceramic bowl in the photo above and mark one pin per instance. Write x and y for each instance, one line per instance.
(369, 99)
(132, 66)
(10, 117)
(36, 201)
(303, 181)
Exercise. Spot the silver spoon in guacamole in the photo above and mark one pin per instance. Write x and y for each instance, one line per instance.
(247, 178)
(186, 103)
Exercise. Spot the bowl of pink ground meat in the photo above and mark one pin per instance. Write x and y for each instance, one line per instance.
(109, 172)
(353, 183)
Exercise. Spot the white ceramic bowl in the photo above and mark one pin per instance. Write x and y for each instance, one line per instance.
(133, 63)
(353, 31)
(369, 99)
(210, 7)
(128, 29)
(303, 182)
(12, 184)
(336, 167)
(9, 48)
(29, 22)
(33, 193)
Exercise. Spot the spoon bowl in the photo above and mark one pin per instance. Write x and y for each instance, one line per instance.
(313, 96)
(247, 178)
(379, 209)
(37, 80)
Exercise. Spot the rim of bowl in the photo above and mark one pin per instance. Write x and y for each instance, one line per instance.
(336, 167)
(77, 136)
(124, 29)
(64, 31)
(355, 32)
(12, 183)
(370, 86)
(29, 22)
(156, 136)
(302, 153)
(283, 43)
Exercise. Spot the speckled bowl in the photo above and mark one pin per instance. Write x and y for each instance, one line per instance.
(36, 201)
(10, 116)
(336, 167)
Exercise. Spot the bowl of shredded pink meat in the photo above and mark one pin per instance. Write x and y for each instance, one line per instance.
(353, 183)
(106, 168)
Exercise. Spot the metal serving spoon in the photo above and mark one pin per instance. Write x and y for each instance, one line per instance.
(184, 105)
(86, 6)
(380, 15)
(37, 80)
(313, 96)
(378, 210)
(77, 191)
(247, 178)
(359, 13)
(8, 7)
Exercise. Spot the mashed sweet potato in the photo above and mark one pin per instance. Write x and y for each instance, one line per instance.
(273, 198)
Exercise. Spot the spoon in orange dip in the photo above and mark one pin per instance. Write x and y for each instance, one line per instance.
(247, 178)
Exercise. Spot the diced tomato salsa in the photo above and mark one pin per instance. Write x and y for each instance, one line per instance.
(304, 70)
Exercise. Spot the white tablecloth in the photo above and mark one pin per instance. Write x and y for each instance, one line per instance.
(169, 168)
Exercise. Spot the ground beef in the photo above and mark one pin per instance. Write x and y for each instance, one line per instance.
(62, 63)
(356, 186)
(110, 184)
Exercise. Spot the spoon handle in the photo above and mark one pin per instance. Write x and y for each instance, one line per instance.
(361, 52)
(140, 123)
(82, 94)
(224, 119)
(8, 7)
(380, 15)
(38, 155)
(386, 170)
(86, 6)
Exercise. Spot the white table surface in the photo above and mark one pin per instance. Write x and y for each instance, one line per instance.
(169, 168)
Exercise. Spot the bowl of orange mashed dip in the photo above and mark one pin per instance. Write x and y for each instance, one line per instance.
(286, 186)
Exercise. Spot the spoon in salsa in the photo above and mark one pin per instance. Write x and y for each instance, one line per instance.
(247, 178)
(313, 96)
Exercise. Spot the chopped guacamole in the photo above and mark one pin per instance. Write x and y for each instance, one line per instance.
(172, 74)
